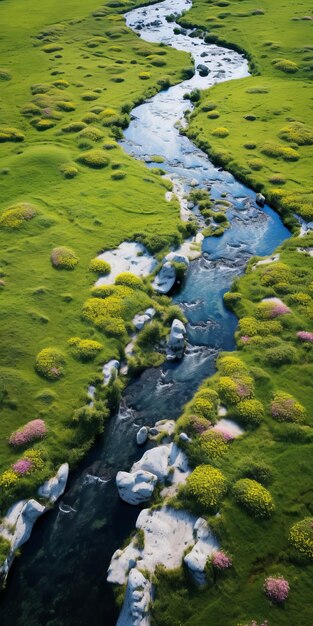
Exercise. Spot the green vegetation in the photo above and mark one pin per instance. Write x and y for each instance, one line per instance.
(63, 202)
(273, 151)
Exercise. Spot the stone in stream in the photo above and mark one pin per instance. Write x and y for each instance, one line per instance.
(139, 321)
(135, 487)
(260, 199)
(176, 342)
(203, 69)
(142, 435)
(165, 280)
(109, 370)
(54, 488)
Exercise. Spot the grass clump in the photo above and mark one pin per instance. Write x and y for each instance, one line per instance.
(64, 258)
(220, 132)
(285, 65)
(16, 216)
(250, 412)
(99, 266)
(298, 133)
(8, 133)
(253, 497)
(50, 364)
(85, 349)
(301, 536)
(94, 158)
(49, 48)
(207, 487)
(69, 170)
(285, 408)
(5, 74)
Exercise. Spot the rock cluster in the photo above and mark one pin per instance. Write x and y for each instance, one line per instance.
(166, 278)
(140, 321)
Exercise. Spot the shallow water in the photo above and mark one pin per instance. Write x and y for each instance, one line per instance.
(61, 577)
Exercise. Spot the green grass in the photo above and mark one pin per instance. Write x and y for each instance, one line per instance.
(75, 58)
(275, 41)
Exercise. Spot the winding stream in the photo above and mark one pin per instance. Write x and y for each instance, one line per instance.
(61, 577)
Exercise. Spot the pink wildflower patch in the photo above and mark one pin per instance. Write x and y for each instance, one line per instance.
(36, 429)
(303, 335)
(245, 338)
(223, 430)
(276, 589)
(23, 466)
(220, 560)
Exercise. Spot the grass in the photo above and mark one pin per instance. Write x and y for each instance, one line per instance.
(276, 98)
(74, 63)
(275, 453)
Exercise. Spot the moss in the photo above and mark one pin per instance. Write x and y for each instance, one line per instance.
(253, 497)
(94, 158)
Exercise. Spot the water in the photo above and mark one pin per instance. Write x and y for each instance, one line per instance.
(61, 577)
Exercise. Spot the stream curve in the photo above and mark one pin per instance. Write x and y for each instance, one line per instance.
(61, 578)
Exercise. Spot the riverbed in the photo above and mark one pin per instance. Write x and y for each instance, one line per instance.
(60, 579)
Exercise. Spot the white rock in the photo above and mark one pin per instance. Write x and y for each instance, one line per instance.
(167, 426)
(136, 487)
(128, 257)
(142, 435)
(52, 489)
(154, 461)
(140, 321)
(228, 426)
(205, 546)
(165, 279)
(121, 563)
(176, 257)
(109, 370)
(184, 437)
(135, 610)
(260, 199)
(176, 342)
(267, 261)
(194, 183)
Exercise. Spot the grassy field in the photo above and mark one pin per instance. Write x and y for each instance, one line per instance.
(70, 73)
(267, 119)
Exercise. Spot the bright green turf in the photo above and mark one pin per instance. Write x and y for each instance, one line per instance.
(89, 213)
(278, 98)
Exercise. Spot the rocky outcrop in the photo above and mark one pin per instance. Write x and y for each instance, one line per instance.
(130, 256)
(136, 487)
(166, 278)
(176, 341)
(54, 488)
(109, 370)
(140, 321)
(155, 461)
(135, 610)
(206, 544)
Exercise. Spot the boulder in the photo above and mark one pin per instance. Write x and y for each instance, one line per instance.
(52, 489)
(194, 183)
(203, 69)
(165, 279)
(142, 435)
(139, 321)
(109, 370)
(176, 257)
(176, 342)
(260, 199)
(205, 546)
(184, 437)
(135, 610)
(154, 461)
(153, 431)
(135, 487)
(121, 563)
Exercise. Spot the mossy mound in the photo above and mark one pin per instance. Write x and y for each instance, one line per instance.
(50, 363)
(17, 215)
(64, 258)
(94, 158)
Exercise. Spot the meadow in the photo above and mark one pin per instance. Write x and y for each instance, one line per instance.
(70, 73)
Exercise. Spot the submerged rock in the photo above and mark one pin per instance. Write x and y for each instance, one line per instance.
(135, 487)
(260, 199)
(166, 278)
(176, 342)
(203, 69)
(142, 436)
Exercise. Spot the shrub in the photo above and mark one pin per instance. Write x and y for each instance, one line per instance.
(69, 170)
(253, 497)
(231, 298)
(120, 175)
(99, 266)
(298, 133)
(276, 589)
(52, 47)
(110, 144)
(129, 280)
(250, 412)
(304, 335)
(85, 349)
(22, 467)
(281, 355)
(220, 560)
(73, 127)
(33, 430)
(89, 96)
(8, 479)
(233, 390)
(5, 545)
(92, 132)
(255, 164)
(213, 445)
(43, 124)
(204, 407)
(229, 365)
(10, 134)
(50, 363)
(301, 536)
(221, 132)
(90, 419)
(106, 314)
(144, 75)
(277, 179)
(284, 65)
(64, 258)
(174, 312)
(257, 470)
(16, 215)
(285, 408)
(269, 309)
(207, 486)
(66, 105)
(5, 74)
(94, 158)
(197, 425)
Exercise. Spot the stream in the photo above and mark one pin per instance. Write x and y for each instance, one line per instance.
(61, 578)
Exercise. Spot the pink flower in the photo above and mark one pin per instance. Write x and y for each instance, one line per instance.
(227, 434)
(279, 309)
(36, 429)
(220, 560)
(47, 112)
(23, 466)
(276, 589)
(245, 338)
(305, 336)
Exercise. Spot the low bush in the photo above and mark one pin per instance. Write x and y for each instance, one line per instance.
(205, 407)
(229, 365)
(250, 412)
(213, 446)
(220, 132)
(129, 280)
(232, 390)
(5, 545)
(285, 408)
(64, 258)
(253, 497)
(85, 349)
(284, 65)
(281, 355)
(298, 133)
(256, 470)
(99, 266)
(50, 364)
(144, 75)
(120, 175)
(207, 486)
(301, 536)
(5, 74)
(220, 560)
(89, 96)
(92, 132)
(10, 134)
(94, 158)
(32, 431)
(15, 216)
(52, 47)
(231, 298)
(66, 105)
(69, 170)
(74, 127)
(276, 589)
